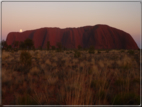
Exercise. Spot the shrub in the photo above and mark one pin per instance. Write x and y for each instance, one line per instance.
(16, 44)
(9, 47)
(25, 58)
(59, 50)
(28, 43)
(26, 100)
(90, 72)
(93, 84)
(119, 82)
(131, 52)
(79, 47)
(91, 50)
(126, 99)
(33, 48)
(16, 50)
(5, 55)
(77, 54)
(102, 94)
(48, 45)
(22, 45)
(122, 50)
(99, 52)
(67, 52)
(34, 71)
(40, 48)
(107, 51)
(64, 48)
(126, 66)
(59, 45)
(53, 47)
(3, 44)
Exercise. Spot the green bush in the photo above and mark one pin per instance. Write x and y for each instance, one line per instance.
(25, 58)
(77, 54)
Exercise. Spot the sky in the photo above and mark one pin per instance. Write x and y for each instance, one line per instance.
(125, 16)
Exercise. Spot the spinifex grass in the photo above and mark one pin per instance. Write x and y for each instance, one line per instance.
(60, 78)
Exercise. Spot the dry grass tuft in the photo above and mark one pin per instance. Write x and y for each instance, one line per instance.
(51, 79)
(5, 55)
(101, 64)
(34, 71)
(48, 62)
(95, 70)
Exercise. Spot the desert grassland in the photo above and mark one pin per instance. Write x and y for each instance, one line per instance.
(58, 78)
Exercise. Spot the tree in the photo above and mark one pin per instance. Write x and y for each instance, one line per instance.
(22, 45)
(3, 44)
(77, 54)
(16, 44)
(9, 47)
(25, 59)
(33, 48)
(91, 50)
(53, 47)
(40, 47)
(65, 48)
(48, 45)
(29, 43)
(59, 45)
(79, 47)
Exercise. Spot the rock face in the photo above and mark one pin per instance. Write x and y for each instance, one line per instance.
(100, 36)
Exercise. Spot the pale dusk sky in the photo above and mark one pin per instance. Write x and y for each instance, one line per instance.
(125, 16)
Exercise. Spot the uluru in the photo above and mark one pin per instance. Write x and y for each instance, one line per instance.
(99, 36)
